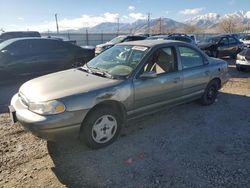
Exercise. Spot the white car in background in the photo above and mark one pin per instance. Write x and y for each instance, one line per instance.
(246, 41)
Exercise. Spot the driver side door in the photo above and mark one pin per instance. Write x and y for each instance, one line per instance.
(165, 88)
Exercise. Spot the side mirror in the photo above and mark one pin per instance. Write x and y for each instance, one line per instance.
(148, 75)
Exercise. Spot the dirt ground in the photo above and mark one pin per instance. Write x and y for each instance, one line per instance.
(187, 146)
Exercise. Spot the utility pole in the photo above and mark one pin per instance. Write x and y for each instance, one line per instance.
(148, 22)
(160, 25)
(118, 26)
(57, 27)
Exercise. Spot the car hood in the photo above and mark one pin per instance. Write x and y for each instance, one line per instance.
(245, 53)
(105, 44)
(205, 45)
(62, 84)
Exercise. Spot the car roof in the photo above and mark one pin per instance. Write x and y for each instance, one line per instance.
(31, 38)
(151, 43)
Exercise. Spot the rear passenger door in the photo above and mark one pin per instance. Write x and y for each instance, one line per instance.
(195, 71)
(49, 56)
(223, 47)
(232, 45)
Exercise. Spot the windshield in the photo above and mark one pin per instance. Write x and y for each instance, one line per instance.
(117, 39)
(212, 39)
(118, 61)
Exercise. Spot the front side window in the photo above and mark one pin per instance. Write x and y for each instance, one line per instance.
(119, 60)
(162, 61)
(224, 41)
(190, 57)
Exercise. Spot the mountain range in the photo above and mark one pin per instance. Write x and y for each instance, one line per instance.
(206, 21)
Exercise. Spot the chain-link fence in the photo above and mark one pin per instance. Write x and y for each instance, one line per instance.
(93, 39)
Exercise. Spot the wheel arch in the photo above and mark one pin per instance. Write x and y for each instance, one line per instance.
(118, 106)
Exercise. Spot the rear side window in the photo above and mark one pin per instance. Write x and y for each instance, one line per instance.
(190, 57)
(232, 40)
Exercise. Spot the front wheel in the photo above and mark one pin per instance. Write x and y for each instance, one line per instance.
(210, 93)
(101, 128)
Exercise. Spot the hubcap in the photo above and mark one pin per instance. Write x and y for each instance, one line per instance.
(104, 129)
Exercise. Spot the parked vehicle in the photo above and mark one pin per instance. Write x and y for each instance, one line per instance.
(178, 37)
(62, 39)
(18, 34)
(221, 46)
(127, 81)
(243, 60)
(31, 57)
(122, 38)
(246, 41)
(158, 37)
(182, 37)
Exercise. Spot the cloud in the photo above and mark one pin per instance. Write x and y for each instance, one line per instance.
(20, 18)
(191, 11)
(131, 8)
(75, 23)
(138, 16)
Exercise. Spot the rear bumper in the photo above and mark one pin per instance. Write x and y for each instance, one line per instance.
(50, 127)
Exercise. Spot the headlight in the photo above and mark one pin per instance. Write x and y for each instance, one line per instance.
(47, 108)
(240, 57)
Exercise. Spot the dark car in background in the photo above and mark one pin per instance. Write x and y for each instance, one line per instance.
(18, 34)
(182, 37)
(221, 46)
(243, 60)
(122, 38)
(31, 57)
(178, 37)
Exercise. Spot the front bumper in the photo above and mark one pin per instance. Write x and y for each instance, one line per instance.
(243, 63)
(50, 127)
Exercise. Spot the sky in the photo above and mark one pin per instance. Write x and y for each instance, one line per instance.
(40, 14)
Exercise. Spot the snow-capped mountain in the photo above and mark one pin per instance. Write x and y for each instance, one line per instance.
(205, 21)
(211, 19)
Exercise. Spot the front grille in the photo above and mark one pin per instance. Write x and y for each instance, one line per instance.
(23, 99)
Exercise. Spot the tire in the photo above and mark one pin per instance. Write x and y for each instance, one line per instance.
(210, 93)
(101, 128)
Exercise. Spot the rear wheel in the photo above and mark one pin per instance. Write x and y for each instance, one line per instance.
(101, 128)
(210, 93)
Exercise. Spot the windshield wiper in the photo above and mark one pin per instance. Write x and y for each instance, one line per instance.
(104, 73)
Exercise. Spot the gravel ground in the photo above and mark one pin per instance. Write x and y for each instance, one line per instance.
(187, 146)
